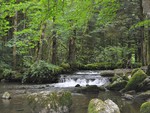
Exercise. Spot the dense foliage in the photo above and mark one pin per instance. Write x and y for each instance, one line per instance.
(85, 34)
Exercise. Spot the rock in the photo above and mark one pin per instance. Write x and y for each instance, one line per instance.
(128, 96)
(122, 72)
(6, 95)
(50, 102)
(143, 96)
(117, 84)
(78, 85)
(3, 80)
(107, 73)
(145, 84)
(47, 85)
(99, 106)
(148, 70)
(145, 107)
(132, 92)
(90, 88)
(137, 77)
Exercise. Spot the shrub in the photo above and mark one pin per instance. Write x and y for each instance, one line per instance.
(42, 72)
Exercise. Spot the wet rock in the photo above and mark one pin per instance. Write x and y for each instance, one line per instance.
(90, 88)
(128, 96)
(47, 85)
(145, 107)
(50, 102)
(78, 85)
(6, 95)
(99, 106)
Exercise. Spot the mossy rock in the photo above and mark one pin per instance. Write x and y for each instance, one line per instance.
(145, 107)
(117, 84)
(66, 68)
(59, 102)
(107, 73)
(137, 77)
(99, 106)
(134, 71)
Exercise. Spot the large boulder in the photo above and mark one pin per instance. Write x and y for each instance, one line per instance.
(99, 106)
(145, 107)
(54, 102)
(138, 76)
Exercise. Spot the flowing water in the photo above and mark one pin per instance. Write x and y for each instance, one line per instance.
(18, 103)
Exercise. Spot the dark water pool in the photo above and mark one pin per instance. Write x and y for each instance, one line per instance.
(18, 103)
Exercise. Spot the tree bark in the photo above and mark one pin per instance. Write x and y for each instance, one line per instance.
(141, 16)
(41, 42)
(15, 38)
(148, 49)
(72, 49)
(54, 44)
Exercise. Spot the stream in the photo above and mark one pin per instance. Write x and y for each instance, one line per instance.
(19, 104)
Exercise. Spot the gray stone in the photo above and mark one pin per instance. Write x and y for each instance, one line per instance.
(128, 96)
(143, 96)
(6, 95)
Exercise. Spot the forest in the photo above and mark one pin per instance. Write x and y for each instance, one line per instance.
(75, 56)
(65, 35)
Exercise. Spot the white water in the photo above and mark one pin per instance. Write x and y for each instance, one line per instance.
(82, 78)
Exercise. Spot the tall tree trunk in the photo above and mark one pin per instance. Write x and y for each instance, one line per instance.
(54, 44)
(141, 16)
(41, 42)
(148, 46)
(72, 49)
(15, 38)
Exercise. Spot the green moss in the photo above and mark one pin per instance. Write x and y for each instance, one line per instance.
(54, 100)
(137, 77)
(101, 66)
(94, 103)
(145, 107)
(134, 71)
(117, 84)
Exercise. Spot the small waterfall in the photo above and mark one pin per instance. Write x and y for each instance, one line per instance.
(82, 78)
